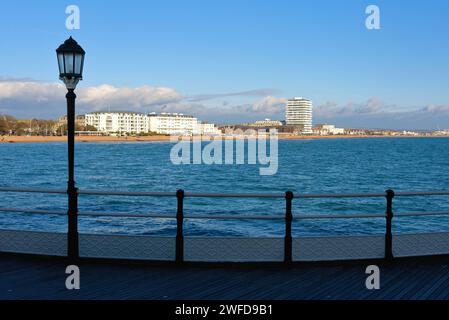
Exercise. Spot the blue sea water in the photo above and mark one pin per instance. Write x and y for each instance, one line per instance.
(305, 166)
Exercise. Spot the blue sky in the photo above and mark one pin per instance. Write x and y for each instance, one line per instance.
(226, 61)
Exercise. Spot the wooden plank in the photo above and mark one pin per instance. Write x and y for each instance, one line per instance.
(23, 277)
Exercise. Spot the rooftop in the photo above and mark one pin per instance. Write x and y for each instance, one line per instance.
(115, 112)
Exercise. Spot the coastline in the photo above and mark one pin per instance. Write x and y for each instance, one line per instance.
(87, 139)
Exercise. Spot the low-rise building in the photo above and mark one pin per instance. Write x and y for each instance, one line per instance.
(178, 123)
(209, 129)
(267, 123)
(173, 123)
(327, 130)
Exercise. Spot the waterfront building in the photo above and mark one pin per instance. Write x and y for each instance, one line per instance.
(267, 123)
(356, 132)
(298, 113)
(139, 123)
(180, 124)
(209, 129)
(173, 123)
(118, 122)
(442, 133)
(327, 129)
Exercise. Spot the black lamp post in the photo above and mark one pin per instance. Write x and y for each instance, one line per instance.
(71, 63)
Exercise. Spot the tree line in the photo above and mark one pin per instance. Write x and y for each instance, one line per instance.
(9, 125)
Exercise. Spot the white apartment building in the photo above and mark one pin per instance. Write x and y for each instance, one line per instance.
(173, 123)
(209, 129)
(299, 113)
(118, 122)
(327, 129)
(178, 123)
(137, 123)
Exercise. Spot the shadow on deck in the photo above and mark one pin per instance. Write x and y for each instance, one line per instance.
(28, 277)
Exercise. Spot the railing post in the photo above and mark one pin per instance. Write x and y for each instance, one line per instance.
(389, 233)
(288, 247)
(72, 235)
(179, 227)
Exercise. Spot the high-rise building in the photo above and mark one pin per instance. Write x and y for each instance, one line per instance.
(299, 113)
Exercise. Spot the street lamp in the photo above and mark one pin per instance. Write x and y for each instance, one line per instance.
(71, 63)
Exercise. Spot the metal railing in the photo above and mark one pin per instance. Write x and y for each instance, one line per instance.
(288, 218)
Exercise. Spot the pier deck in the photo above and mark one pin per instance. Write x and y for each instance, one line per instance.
(27, 277)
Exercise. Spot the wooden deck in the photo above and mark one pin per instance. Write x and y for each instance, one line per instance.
(23, 277)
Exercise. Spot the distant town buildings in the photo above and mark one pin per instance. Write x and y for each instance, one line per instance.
(139, 123)
(298, 113)
(442, 132)
(267, 123)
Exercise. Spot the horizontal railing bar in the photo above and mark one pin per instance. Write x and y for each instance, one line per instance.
(125, 215)
(225, 217)
(342, 195)
(219, 217)
(233, 195)
(339, 216)
(124, 193)
(224, 195)
(417, 214)
(421, 193)
(33, 211)
(26, 190)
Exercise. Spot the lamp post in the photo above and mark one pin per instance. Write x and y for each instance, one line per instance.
(71, 62)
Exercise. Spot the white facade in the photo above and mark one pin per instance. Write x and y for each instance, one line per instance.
(118, 122)
(138, 123)
(266, 123)
(209, 129)
(299, 113)
(180, 124)
(173, 123)
(327, 129)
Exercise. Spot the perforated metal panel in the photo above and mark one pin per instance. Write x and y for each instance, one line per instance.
(224, 249)
(424, 244)
(30, 242)
(338, 248)
(234, 249)
(127, 247)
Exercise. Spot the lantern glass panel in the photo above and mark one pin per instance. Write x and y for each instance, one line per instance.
(68, 56)
(79, 64)
(61, 63)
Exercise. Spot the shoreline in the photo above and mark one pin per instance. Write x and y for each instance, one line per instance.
(87, 139)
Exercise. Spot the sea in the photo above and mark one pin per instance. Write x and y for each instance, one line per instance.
(367, 165)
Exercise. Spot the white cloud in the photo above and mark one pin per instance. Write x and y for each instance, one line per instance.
(135, 98)
(436, 108)
(30, 98)
(248, 93)
(269, 105)
(26, 98)
(372, 106)
(374, 113)
(29, 90)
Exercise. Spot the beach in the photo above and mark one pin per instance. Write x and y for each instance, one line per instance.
(39, 139)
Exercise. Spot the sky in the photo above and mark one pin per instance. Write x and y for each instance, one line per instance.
(234, 61)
